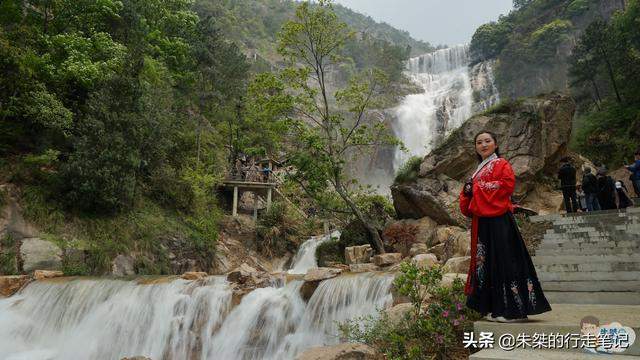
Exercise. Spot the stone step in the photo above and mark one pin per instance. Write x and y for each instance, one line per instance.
(569, 244)
(589, 276)
(520, 354)
(590, 267)
(588, 286)
(587, 251)
(583, 259)
(593, 297)
(565, 319)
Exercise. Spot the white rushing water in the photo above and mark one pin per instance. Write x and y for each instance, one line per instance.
(175, 319)
(453, 92)
(305, 259)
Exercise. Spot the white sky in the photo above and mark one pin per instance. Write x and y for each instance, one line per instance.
(448, 22)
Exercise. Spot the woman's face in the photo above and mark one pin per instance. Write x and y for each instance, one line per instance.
(485, 145)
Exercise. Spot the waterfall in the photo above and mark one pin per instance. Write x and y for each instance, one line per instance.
(170, 318)
(453, 92)
(305, 259)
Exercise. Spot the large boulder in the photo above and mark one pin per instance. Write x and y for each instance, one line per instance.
(358, 254)
(349, 351)
(11, 284)
(387, 259)
(533, 135)
(47, 274)
(313, 277)
(398, 313)
(40, 254)
(456, 240)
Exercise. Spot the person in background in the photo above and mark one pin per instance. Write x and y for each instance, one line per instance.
(567, 176)
(606, 190)
(622, 195)
(635, 173)
(582, 200)
(590, 188)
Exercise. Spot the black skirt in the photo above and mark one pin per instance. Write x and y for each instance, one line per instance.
(505, 282)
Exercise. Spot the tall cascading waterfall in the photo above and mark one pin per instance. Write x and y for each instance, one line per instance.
(177, 319)
(453, 92)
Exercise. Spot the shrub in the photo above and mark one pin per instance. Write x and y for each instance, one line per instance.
(278, 230)
(8, 256)
(401, 236)
(409, 170)
(434, 327)
(330, 251)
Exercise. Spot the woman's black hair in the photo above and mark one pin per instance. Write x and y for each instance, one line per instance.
(495, 140)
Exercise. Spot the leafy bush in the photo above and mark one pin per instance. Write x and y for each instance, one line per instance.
(278, 230)
(408, 171)
(434, 327)
(8, 256)
(330, 251)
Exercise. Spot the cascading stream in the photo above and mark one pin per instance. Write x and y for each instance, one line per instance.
(96, 319)
(453, 92)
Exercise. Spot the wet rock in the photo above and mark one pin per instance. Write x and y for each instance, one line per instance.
(123, 265)
(341, 352)
(448, 278)
(387, 259)
(359, 268)
(319, 274)
(11, 284)
(337, 265)
(242, 274)
(194, 275)
(425, 261)
(358, 254)
(457, 265)
(47, 274)
(40, 254)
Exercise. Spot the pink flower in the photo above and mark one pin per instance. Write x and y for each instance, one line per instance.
(458, 306)
(461, 317)
(439, 339)
(445, 313)
(456, 322)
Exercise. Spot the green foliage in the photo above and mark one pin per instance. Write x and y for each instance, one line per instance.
(578, 7)
(8, 256)
(489, 40)
(409, 171)
(331, 251)
(603, 69)
(279, 230)
(434, 327)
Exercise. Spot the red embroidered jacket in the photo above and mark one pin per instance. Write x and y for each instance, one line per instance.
(492, 189)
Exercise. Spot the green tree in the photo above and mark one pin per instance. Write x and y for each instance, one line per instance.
(489, 40)
(323, 137)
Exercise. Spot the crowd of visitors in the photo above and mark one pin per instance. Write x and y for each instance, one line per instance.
(597, 191)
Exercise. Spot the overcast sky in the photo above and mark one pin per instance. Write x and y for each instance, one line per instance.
(448, 22)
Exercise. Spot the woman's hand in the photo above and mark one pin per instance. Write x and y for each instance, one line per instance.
(468, 188)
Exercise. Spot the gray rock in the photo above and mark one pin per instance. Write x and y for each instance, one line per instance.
(40, 254)
(387, 259)
(425, 261)
(358, 268)
(122, 265)
(358, 254)
(458, 265)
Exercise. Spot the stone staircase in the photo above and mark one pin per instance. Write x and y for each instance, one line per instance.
(588, 264)
(591, 258)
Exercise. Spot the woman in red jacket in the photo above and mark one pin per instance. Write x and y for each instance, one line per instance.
(502, 283)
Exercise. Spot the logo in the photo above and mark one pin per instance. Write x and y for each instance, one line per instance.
(608, 338)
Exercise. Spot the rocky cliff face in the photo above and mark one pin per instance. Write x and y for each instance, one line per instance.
(533, 135)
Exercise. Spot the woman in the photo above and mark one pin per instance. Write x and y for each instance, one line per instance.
(502, 283)
(622, 195)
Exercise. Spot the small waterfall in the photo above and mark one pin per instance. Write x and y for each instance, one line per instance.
(305, 258)
(174, 319)
(452, 93)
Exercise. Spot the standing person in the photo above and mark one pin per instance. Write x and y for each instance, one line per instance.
(622, 195)
(502, 283)
(567, 176)
(590, 187)
(606, 190)
(635, 173)
(582, 199)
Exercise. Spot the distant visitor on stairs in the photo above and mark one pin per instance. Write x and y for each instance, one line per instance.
(567, 176)
(502, 283)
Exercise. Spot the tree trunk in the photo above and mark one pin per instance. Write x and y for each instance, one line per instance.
(375, 237)
(613, 78)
